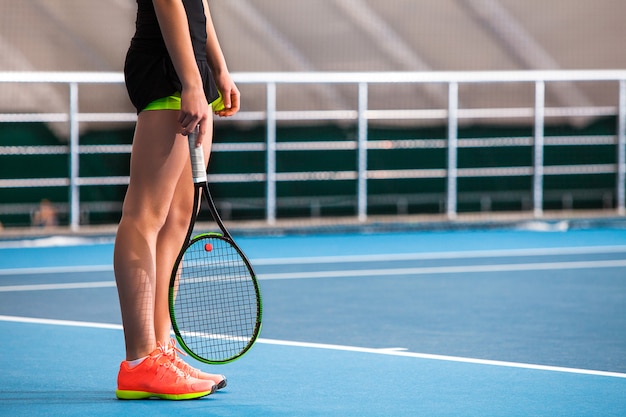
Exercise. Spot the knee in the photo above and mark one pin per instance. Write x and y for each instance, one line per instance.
(179, 215)
(146, 218)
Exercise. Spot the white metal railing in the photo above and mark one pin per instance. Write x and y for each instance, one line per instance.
(362, 115)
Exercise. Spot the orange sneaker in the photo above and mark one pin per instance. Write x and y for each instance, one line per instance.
(158, 377)
(172, 352)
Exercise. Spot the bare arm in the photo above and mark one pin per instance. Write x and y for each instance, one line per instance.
(219, 68)
(175, 30)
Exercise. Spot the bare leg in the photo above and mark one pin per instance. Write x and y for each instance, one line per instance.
(170, 239)
(159, 157)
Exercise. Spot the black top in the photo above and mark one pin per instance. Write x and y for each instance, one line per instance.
(148, 33)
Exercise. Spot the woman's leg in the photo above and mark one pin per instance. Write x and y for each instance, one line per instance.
(158, 159)
(170, 240)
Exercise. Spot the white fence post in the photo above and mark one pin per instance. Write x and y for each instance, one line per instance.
(621, 150)
(74, 188)
(271, 154)
(453, 132)
(362, 152)
(540, 92)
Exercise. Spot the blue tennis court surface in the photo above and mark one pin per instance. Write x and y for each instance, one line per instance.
(463, 323)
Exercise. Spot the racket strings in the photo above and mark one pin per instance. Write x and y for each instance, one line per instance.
(216, 303)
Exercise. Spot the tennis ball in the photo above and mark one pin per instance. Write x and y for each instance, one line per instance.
(218, 104)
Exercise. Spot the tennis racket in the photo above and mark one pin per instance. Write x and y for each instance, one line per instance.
(214, 298)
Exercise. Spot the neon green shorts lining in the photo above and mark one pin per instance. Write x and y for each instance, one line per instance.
(166, 103)
(173, 103)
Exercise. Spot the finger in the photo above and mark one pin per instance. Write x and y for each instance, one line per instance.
(234, 107)
(191, 123)
(226, 99)
(187, 126)
(184, 119)
(202, 131)
(235, 101)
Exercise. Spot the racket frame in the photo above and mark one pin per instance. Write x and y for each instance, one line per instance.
(201, 187)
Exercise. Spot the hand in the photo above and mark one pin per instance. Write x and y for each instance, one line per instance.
(194, 113)
(230, 94)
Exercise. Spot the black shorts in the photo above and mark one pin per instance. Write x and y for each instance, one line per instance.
(151, 75)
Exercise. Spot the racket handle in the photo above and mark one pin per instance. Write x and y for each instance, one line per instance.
(196, 153)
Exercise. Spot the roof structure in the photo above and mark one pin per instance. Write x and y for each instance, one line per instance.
(328, 35)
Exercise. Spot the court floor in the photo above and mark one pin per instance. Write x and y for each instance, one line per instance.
(441, 323)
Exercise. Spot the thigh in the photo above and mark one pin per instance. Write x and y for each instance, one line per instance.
(159, 157)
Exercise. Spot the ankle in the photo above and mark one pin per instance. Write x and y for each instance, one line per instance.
(135, 362)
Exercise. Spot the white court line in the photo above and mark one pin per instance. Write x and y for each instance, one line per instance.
(356, 258)
(56, 270)
(463, 269)
(384, 351)
(61, 286)
(495, 253)
(67, 323)
(460, 269)
(55, 241)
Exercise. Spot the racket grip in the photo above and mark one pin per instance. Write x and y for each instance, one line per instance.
(196, 153)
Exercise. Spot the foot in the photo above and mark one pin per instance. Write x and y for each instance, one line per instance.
(172, 352)
(157, 376)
